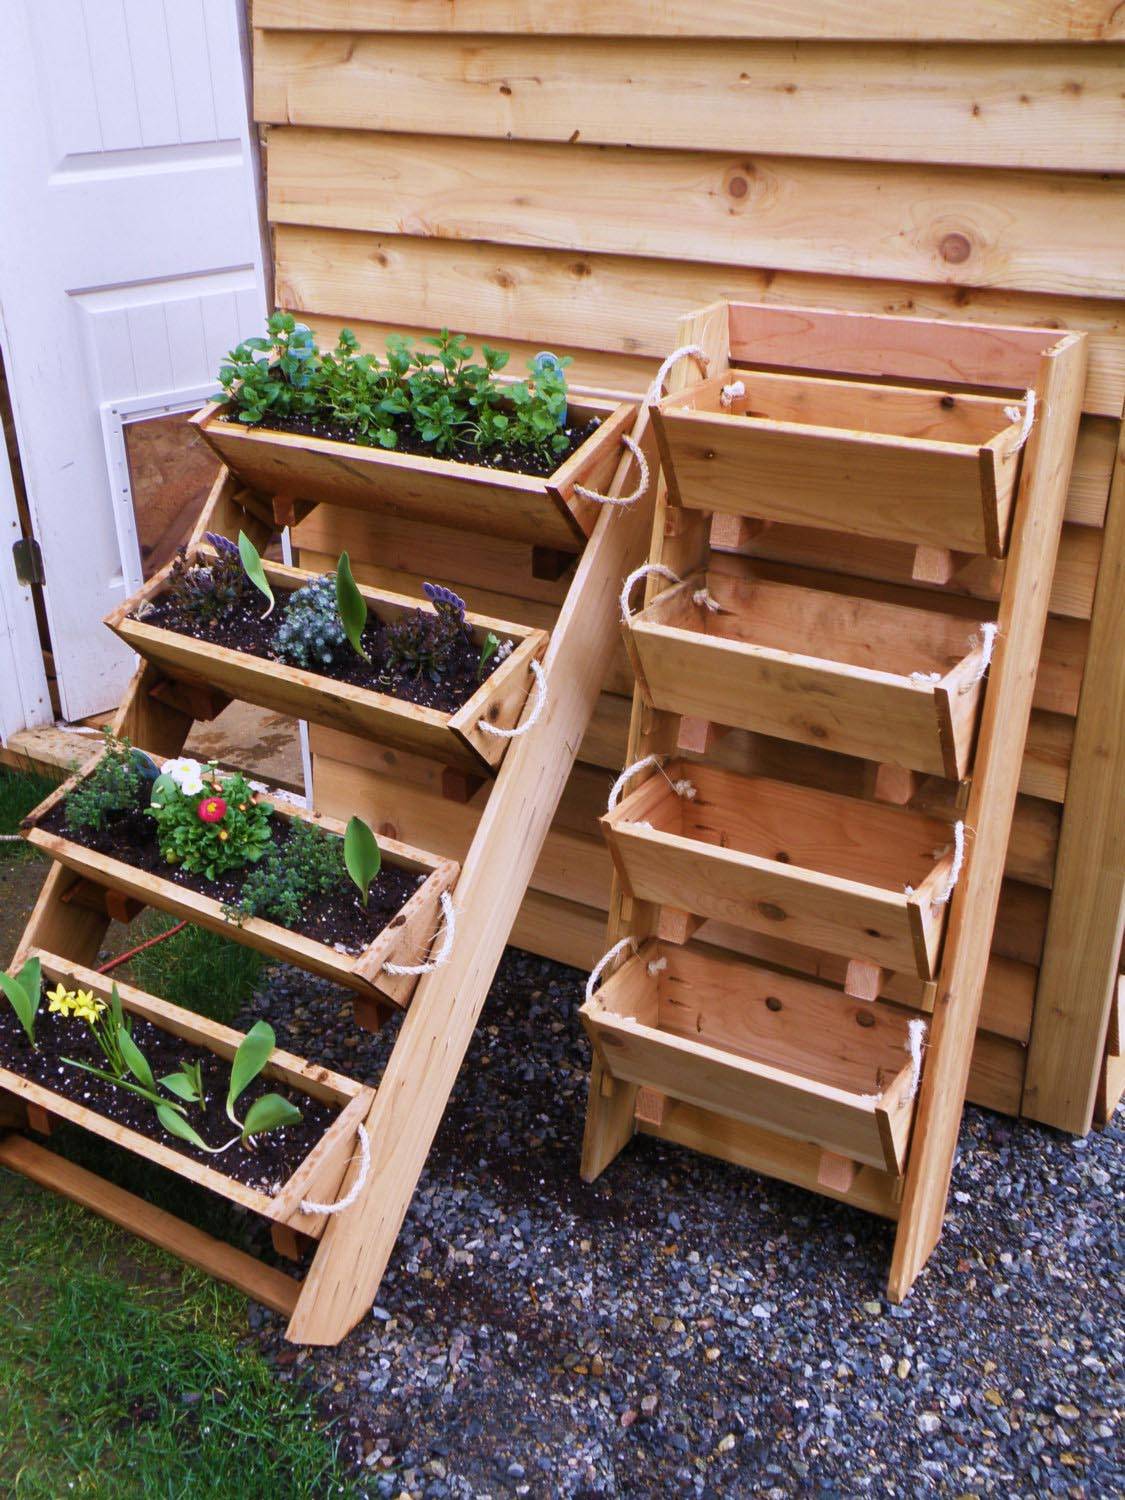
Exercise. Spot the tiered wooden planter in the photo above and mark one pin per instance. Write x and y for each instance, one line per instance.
(546, 512)
(405, 939)
(455, 739)
(318, 1176)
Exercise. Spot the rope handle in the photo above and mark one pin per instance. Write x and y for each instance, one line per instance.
(682, 788)
(915, 1037)
(988, 632)
(639, 489)
(441, 957)
(685, 351)
(604, 962)
(703, 597)
(533, 717)
(1013, 413)
(342, 1204)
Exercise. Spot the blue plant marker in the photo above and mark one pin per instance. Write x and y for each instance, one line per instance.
(545, 360)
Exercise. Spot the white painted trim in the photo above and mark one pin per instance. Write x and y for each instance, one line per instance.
(24, 697)
(302, 724)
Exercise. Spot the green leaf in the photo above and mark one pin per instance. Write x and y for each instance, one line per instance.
(135, 1060)
(487, 652)
(252, 563)
(270, 1112)
(175, 1124)
(351, 605)
(21, 1001)
(252, 1055)
(118, 1018)
(182, 1086)
(361, 855)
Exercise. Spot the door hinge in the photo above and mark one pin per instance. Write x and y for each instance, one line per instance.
(28, 558)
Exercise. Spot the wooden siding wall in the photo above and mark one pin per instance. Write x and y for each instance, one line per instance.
(565, 174)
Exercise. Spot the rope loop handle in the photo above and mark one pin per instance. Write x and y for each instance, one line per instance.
(1013, 413)
(685, 351)
(635, 577)
(958, 862)
(604, 962)
(533, 717)
(988, 632)
(638, 490)
(682, 788)
(342, 1204)
(441, 957)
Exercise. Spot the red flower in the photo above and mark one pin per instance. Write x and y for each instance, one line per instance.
(212, 810)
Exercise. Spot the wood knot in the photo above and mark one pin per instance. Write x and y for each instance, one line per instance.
(955, 248)
(770, 911)
(773, 1003)
(738, 187)
(864, 1018)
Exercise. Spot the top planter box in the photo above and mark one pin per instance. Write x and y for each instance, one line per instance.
(921, 466)
(521, 507)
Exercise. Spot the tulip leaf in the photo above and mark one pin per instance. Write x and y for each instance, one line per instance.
(180, 1085)
(23, 992)
(252, 563)
(351, 604)
(270, 1112)
(135, 1060)
(175, 1124)
(361, 855)
(252, 1055)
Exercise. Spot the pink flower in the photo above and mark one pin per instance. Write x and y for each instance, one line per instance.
(212, 810)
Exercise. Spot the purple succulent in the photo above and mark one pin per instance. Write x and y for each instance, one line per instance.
(439, 596)
(222, 543)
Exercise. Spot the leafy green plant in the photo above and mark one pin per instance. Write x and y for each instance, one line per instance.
(268, 1111)
(362, 855)
(487, 652)
(252, 562)
(351, 606)
(276, 374)
(311, 635)
(308, 865)
(226, 827)
(107, 1023)
(24, 992)
(422, 643)
(114, 786)
(187, 1083)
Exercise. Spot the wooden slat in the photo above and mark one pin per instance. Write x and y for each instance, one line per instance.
(623, 309)
(798, 214)
(883, 20)
(1041, 107)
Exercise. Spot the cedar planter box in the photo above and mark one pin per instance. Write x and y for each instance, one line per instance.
(920, 466)
(455, 739)
(521, 507)
(319, 1175)
(812, 867)
(826, 669)
(404, 940)
(798, 1058)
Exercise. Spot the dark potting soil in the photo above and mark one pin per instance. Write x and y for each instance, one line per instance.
(245, 630)
(338, 919)
(268, 1165)
(511, 461)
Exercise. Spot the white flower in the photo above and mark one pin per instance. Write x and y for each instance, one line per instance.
(186, 773)
(191, 786)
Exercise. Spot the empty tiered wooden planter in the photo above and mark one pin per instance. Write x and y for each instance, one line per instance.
(405, 940)
(761, 1047)
(886, 682)
(929, 467)
(545, 512)
(456, 739)
(318, 1176)
(835, 873)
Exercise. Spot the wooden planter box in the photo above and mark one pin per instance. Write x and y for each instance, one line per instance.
(826, 669)
(455, 739)
(319, 1175)
(545, 512)
(812, 867)
(920, 466)
(798, 1058)
(404, 940)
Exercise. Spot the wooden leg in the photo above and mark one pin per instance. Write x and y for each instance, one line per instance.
(610, 1121)
(71, 931)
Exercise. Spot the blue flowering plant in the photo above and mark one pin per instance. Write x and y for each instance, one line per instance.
(423, 643)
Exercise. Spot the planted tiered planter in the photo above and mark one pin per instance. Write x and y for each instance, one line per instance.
(840, 671)
(812, 867)
(456, 739)
(798, 1058)
(545, 512)
(921, 466)
(404, 940)
(316, 1176)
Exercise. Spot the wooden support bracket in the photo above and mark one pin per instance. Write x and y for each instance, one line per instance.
(459, 786)
(699, 736)
(117, 906)
(836, 1172)
(675, 926)
(195, 700)
(864, 980)
(549, 563)
(894, 784)
(730, 533)
(649, 1107)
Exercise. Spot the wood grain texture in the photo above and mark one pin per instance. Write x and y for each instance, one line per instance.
(1040, 107)
(961, 20)
(798, 214)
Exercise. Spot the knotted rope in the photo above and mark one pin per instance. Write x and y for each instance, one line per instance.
(732, 393)
(533, 717)
(309, 1207)
(1013, 414)
(682, 788)
(441, 957)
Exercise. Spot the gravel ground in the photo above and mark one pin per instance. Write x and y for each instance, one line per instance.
(684, 1327)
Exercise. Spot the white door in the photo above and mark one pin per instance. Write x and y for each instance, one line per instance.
(130, 261)
(24, 697)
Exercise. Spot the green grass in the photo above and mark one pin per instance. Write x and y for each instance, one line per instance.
(20, 791)
(121, 1375)
(196, 969)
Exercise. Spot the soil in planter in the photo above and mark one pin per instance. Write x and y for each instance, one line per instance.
(245, 630)
(268, 1167)
(511, 461)
(339, 919)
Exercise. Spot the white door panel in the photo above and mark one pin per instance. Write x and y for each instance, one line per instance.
(130, 260)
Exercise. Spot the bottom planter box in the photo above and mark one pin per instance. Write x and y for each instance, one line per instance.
(318, 1176)
(404, 940)
(794, 1057)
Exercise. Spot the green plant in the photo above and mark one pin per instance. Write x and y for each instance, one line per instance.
(106, 1022)
(487, 652)
(310, 863)
(268, 1111)
(195, 968)
(252, 563)
(24, 992)
(362, 855)
(225, 828)
(187, 1083)
(311, 635)
(351, 606)
(275, 374)
(422, 643)
(20, 791)
(206, 592)
(114, 786)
